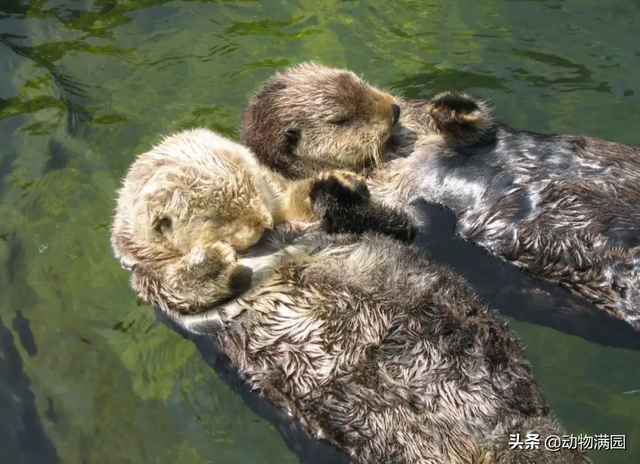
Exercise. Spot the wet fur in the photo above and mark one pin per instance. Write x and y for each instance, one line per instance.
(563, 208)
(381, 352)
(373, 347)
(353, 129)
(350, 210)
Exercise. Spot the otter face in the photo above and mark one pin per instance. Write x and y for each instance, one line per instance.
(192, 208)
(311, 118)
(187, 208)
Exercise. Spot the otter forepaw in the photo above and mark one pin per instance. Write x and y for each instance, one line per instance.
(341, 186)
(335, 196)
(342, 201)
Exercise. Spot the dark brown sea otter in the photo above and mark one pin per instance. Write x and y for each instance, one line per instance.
(564, 208)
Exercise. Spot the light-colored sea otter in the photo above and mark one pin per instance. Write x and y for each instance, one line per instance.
(563, 208)
(194, 203)
(373, 347)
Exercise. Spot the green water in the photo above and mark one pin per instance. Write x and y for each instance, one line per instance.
(85, 85)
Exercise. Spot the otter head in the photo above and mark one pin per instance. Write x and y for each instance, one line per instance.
(460, 119)
(311, 118)
(185, 211)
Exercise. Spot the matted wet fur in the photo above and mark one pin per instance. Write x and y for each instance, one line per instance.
(564, 208)
(385, 355)
(373, 347)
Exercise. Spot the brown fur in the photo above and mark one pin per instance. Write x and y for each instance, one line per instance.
(372, 346)
(458, 118)
(554, 205)
(290, 121)
(353, 126)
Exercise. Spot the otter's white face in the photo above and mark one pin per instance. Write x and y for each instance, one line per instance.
(323, 114)
(186, 210)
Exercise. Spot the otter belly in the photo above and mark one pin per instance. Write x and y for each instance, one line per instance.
(387, 356)
(558, 216)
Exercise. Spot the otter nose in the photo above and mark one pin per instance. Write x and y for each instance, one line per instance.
(396, 113)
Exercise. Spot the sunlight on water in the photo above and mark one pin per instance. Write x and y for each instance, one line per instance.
(87, 84)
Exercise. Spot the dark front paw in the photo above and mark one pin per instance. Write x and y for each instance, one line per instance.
(335, 197)
(339, 187)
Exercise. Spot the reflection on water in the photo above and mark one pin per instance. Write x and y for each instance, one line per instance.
(88, 375)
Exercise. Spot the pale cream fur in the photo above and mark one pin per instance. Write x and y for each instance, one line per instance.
(189, 208)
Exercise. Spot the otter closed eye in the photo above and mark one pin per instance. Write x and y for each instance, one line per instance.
(342, 121)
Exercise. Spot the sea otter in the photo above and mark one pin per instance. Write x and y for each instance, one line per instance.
(372, 346)
(189, 206)
(563, 208)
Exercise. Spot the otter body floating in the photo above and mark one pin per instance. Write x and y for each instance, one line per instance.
(563, 208)
(372, 346)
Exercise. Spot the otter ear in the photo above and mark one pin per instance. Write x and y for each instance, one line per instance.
(161, 224)
(293, 136)
(459, 117)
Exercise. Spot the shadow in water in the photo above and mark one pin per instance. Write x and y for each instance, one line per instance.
(22, 437)
(309, 450)
(515, 294)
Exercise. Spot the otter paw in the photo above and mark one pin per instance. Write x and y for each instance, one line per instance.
(347, 177)
(339, 186)
(459, 117)
(204, 264)
(338, 197)
(448, 108)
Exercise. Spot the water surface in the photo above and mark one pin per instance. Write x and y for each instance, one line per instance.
(87, 374)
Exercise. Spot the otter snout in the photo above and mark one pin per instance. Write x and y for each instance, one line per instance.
(396, 114)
